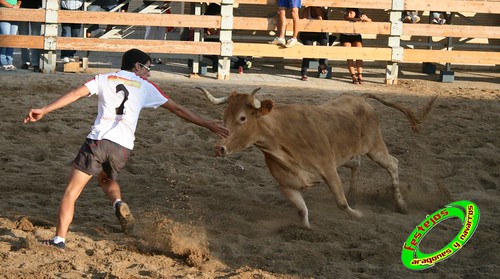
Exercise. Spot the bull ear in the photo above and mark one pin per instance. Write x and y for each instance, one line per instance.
(266, 107)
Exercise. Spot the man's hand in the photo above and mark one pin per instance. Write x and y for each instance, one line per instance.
(217, 128)
(34, 115)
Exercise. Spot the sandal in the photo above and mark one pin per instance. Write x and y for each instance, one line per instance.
(354, 79)
(360, 78)
(304, 78)
(323, 68)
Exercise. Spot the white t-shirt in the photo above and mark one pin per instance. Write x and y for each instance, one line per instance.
(122, 95)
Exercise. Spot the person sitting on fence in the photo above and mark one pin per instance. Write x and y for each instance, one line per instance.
(308, 38)
(348, 40)
(294, 5)
(410, 17)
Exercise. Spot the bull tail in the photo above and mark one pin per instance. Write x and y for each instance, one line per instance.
(414, 118)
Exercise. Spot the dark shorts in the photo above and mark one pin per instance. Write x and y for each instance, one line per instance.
(101, 155)
(345, 38)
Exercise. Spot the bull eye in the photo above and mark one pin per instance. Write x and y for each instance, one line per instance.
(243, 119)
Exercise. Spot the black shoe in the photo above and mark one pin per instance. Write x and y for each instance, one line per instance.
(51, 242)
(37, 69)
(122, 212)
(25, 66)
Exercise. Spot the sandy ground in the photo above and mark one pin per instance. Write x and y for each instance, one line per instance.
(201, 216)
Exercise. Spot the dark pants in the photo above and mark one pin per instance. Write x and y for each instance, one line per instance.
(308, 38)
(70, 30)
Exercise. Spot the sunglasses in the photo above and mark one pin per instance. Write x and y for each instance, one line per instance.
(145, 67)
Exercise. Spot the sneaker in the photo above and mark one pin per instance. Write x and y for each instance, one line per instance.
(278, 41)
(25, 66)
(9, 68)
(37, 69)
(65, 60)
(122, 212)
(292, 42)
(51, 242)
(71, 59)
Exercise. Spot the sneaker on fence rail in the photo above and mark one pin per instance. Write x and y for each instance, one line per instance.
(278, 41)
(292, 42)
(65, 60)
(415, 19)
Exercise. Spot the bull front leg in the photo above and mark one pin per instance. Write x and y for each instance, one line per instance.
(295, 197)
(354, 165)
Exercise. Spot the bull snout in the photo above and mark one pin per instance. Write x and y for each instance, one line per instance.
(221, 150)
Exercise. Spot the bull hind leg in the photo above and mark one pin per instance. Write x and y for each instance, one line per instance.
(381, 156)
(295, 197)
(335, 184)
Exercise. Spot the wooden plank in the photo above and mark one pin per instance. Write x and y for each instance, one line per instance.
(372, 4)
(35, 15)
(200, 21)
(22, 41)
(454, 57)
(335, 26)
(148, 46)
(459, 31)
(490, 7)
(267, 50)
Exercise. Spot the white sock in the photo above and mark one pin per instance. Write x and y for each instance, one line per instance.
(116, 201)
(58, 239)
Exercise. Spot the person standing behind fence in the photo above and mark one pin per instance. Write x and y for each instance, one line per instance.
(70, 29)
(294, 5)
(157, 32)
(308, 38)
(102, 6)
(8, 28)
(30, 57)
(353, 39)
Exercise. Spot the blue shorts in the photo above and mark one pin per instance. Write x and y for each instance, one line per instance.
(289, 3)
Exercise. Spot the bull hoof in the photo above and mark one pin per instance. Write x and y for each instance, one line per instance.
(402, 208)
(355, 214)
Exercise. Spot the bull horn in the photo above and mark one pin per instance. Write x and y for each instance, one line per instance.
(255, 102)
(211, 98)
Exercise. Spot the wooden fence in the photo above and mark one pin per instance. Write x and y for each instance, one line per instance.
(392, 51)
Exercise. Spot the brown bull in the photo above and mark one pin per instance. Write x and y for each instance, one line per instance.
(305, 144)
